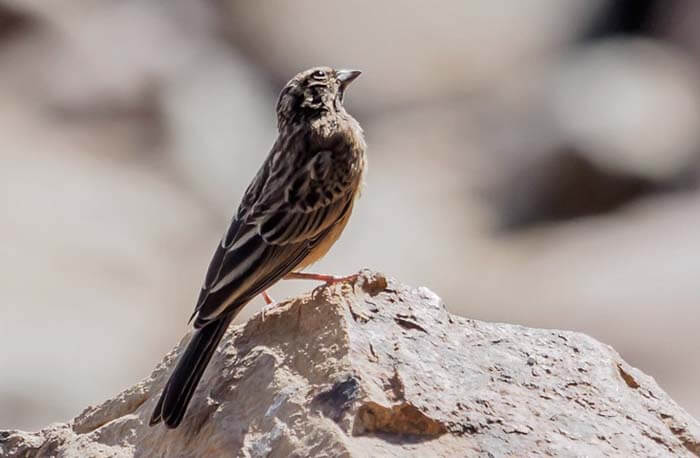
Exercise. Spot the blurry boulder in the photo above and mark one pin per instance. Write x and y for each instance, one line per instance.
(633, 105)
(411, 51)
(220, 125)
(172, 82)
(567, 185)
(113, 54)
(610, 123)
(12, 21)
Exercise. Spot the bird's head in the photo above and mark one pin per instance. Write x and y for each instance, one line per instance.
(314, 92)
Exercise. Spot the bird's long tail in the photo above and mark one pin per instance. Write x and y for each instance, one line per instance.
(180, 387)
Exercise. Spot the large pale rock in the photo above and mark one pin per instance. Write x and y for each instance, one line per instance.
(377, 368)
(413, 51)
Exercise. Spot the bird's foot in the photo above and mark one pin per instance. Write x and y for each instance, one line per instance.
(327, 279)
(266, 297)
(269, 304)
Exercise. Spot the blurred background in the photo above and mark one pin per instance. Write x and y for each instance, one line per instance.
(534, 163)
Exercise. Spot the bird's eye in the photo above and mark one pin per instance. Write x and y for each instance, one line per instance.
(319, 75)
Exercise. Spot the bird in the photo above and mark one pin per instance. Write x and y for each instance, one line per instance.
(290, 215)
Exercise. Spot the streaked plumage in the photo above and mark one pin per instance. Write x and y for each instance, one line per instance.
(290, 215)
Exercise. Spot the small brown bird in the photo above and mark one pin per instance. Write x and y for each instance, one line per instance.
(292, 212)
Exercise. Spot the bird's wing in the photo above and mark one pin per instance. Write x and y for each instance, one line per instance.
(281, 219)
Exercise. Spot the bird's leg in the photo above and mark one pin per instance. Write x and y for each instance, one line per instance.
(269, 304)
(327, 279)
(266, 297)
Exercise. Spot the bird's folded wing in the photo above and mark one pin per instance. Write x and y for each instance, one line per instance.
(272, 233)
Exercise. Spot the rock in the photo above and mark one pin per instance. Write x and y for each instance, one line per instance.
(377, 368)
(471, 43)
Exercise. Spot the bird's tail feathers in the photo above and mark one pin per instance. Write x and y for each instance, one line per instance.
(183, 381)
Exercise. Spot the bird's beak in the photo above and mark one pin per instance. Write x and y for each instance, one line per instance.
(347, 76)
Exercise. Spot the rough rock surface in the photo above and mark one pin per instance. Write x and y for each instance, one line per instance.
(377, 368)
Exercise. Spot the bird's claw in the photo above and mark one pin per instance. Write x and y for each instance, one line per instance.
(269, 305)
